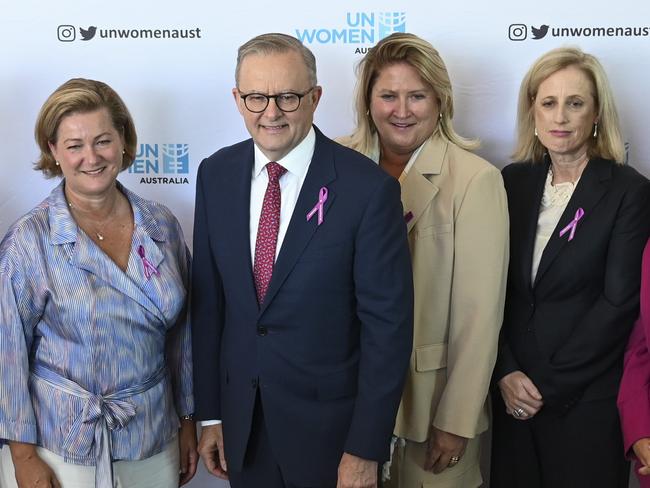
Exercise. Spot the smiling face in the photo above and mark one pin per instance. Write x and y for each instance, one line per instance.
(89, 151)
(565, 113)
(276, 132)
(404, 108)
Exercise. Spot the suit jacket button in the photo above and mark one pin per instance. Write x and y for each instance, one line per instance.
(261, 331)
(254, 383)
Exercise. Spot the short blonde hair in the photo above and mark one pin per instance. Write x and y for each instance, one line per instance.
(80, 95)
(425, 59)
(607, 144)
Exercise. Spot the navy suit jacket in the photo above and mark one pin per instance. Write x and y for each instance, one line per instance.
(329, 347)
(567, 330)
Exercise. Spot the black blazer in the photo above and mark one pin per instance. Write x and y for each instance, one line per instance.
(329, 347)
(567, 331)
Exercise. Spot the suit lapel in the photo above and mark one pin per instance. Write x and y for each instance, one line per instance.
(530, 191)
(592, 186)
(320, 174)
(238, 219)
(417, 189)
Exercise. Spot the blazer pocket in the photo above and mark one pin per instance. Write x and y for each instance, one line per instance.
(433, 231)
(430, 357)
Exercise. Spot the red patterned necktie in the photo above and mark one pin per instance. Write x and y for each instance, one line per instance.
(267, 231)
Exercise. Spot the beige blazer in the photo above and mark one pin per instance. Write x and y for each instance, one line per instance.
(457, 218)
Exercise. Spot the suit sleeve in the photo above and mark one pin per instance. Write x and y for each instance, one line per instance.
(477, 297)
(207, 313)
(506, 362)
(634, 393)
(598, 339)
(383, 282)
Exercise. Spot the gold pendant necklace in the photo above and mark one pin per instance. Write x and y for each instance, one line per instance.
(98, 233)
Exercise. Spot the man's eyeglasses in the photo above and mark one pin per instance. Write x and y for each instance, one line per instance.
(287, 102)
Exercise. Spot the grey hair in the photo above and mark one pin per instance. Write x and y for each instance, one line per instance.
(276, 43)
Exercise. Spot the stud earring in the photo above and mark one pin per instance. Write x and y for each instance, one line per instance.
(535, 131)
(57, 163)
(595, 130)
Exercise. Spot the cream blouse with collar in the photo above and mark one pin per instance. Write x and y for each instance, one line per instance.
(554, 202)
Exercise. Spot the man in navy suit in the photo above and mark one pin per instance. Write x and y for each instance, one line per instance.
(302, 301)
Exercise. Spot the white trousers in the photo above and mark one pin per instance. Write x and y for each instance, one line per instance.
(158, 471)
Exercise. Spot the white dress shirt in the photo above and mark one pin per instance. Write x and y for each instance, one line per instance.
(296, 163)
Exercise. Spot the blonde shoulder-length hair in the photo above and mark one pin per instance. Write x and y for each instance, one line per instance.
(421, 55)
(607, 144)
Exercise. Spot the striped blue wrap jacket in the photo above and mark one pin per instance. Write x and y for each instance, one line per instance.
(69, 316)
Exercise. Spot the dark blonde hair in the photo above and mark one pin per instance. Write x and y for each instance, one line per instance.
(421, 55)
(607, 144)
(80, 95)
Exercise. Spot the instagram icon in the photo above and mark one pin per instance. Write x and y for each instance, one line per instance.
(517, 32)
(66, 33)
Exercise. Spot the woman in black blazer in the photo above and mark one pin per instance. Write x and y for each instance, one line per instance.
(579, 219)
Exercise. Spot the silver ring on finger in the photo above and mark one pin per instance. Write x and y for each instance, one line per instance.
(519, 412)
(453, 461)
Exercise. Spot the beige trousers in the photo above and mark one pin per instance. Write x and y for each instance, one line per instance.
(158, 471)
(406, 470)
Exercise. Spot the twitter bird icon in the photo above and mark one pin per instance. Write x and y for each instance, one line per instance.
(538, 32)
(89, 33)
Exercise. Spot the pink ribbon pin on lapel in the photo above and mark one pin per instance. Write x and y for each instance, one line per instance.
(149, 268)
(322, 198)
(571, 228)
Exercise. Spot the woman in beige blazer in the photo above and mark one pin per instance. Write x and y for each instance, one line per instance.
(456, 213)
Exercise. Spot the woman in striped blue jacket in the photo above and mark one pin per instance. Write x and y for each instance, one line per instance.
(95, 357)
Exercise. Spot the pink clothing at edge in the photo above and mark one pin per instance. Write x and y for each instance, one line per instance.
(634, 393)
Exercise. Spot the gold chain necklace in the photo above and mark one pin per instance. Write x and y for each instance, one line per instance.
(100, 234)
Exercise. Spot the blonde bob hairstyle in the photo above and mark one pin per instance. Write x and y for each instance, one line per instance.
(421, 55)
(80, 95)
(607, 144)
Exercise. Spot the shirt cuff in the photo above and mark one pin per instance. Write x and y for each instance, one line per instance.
(205, 423)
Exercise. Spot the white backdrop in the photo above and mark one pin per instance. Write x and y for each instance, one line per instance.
(173, 63)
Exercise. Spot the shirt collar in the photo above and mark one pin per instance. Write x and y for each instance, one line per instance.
(296, 162)
(412, 159)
